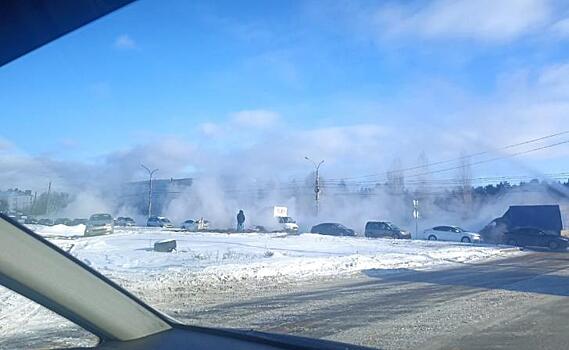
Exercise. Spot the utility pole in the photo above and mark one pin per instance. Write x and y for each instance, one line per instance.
(47, 199)
(34, 203)
(316, 183)
(416, 216)
(150, 173)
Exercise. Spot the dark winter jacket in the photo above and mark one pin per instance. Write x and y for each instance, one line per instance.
(240, 217)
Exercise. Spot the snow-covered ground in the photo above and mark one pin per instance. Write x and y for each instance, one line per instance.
(211, 266)
(216, 256)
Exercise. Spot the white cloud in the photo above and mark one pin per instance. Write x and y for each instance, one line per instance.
(257, 118)
(481, 20)
(554, 81)
(211, 129)
(561, 28)
(125, 42)
(5, 145)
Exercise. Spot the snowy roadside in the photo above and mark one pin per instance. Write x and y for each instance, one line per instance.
(210, 269)
(212, 257)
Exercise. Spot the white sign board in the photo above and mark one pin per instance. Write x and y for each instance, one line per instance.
(280, 211)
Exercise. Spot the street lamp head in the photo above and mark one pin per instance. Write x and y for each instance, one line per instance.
(306, 157)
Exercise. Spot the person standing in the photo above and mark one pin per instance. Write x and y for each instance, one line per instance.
(240, 221)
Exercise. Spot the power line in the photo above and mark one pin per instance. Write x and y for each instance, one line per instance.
(459, 158)
(511, 155)
(472, 164)
(556, 176)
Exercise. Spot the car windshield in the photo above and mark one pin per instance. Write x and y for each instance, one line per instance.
(287, 220)
(277, 121)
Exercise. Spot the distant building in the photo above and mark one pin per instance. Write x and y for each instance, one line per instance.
(16, 199)
(135, 194)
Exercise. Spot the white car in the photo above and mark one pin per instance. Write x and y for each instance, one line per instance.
(451, 233)
(159, 221)
(189, 225)
(99, 224)
(195, 225)
(288, 224)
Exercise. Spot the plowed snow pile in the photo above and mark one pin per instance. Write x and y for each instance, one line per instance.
(220, 256)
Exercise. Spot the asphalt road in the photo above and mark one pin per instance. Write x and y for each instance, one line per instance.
(516, 303)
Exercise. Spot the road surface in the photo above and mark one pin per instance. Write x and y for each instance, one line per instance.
(516, 303)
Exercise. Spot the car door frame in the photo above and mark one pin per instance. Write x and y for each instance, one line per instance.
(440, 234)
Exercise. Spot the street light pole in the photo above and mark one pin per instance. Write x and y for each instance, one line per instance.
(316, 183)
(150, 173)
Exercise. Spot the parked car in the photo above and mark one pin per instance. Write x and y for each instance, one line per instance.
(195, 225)
(159, 221)
(377, 229)
(535, 237)
(189, 225)
(288, 224)
(31, 220)
(76, 222)
(62, 221)
(543, 217)
(202, 224)
(451, 233)
(332, 229)
(45, 222)
(99, 224)
(125, 221)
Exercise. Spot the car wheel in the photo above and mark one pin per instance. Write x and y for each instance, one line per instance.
(395, 236)
(553, 245)
(432, 238)
(465, 240)
(512, 242)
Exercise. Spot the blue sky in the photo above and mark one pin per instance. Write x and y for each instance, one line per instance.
(195, 86)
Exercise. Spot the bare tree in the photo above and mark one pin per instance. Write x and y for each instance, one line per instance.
(396, 178)
(422, 180)
(465, 184)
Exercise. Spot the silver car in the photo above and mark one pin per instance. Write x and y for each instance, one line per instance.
(99, 224)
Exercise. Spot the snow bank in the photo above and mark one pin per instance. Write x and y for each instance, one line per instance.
(219, 256)
(58, 230)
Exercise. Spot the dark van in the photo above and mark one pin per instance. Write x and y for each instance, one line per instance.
(384, 229)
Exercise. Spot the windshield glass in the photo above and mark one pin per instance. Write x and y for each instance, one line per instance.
(287, 220)
(432, 114)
